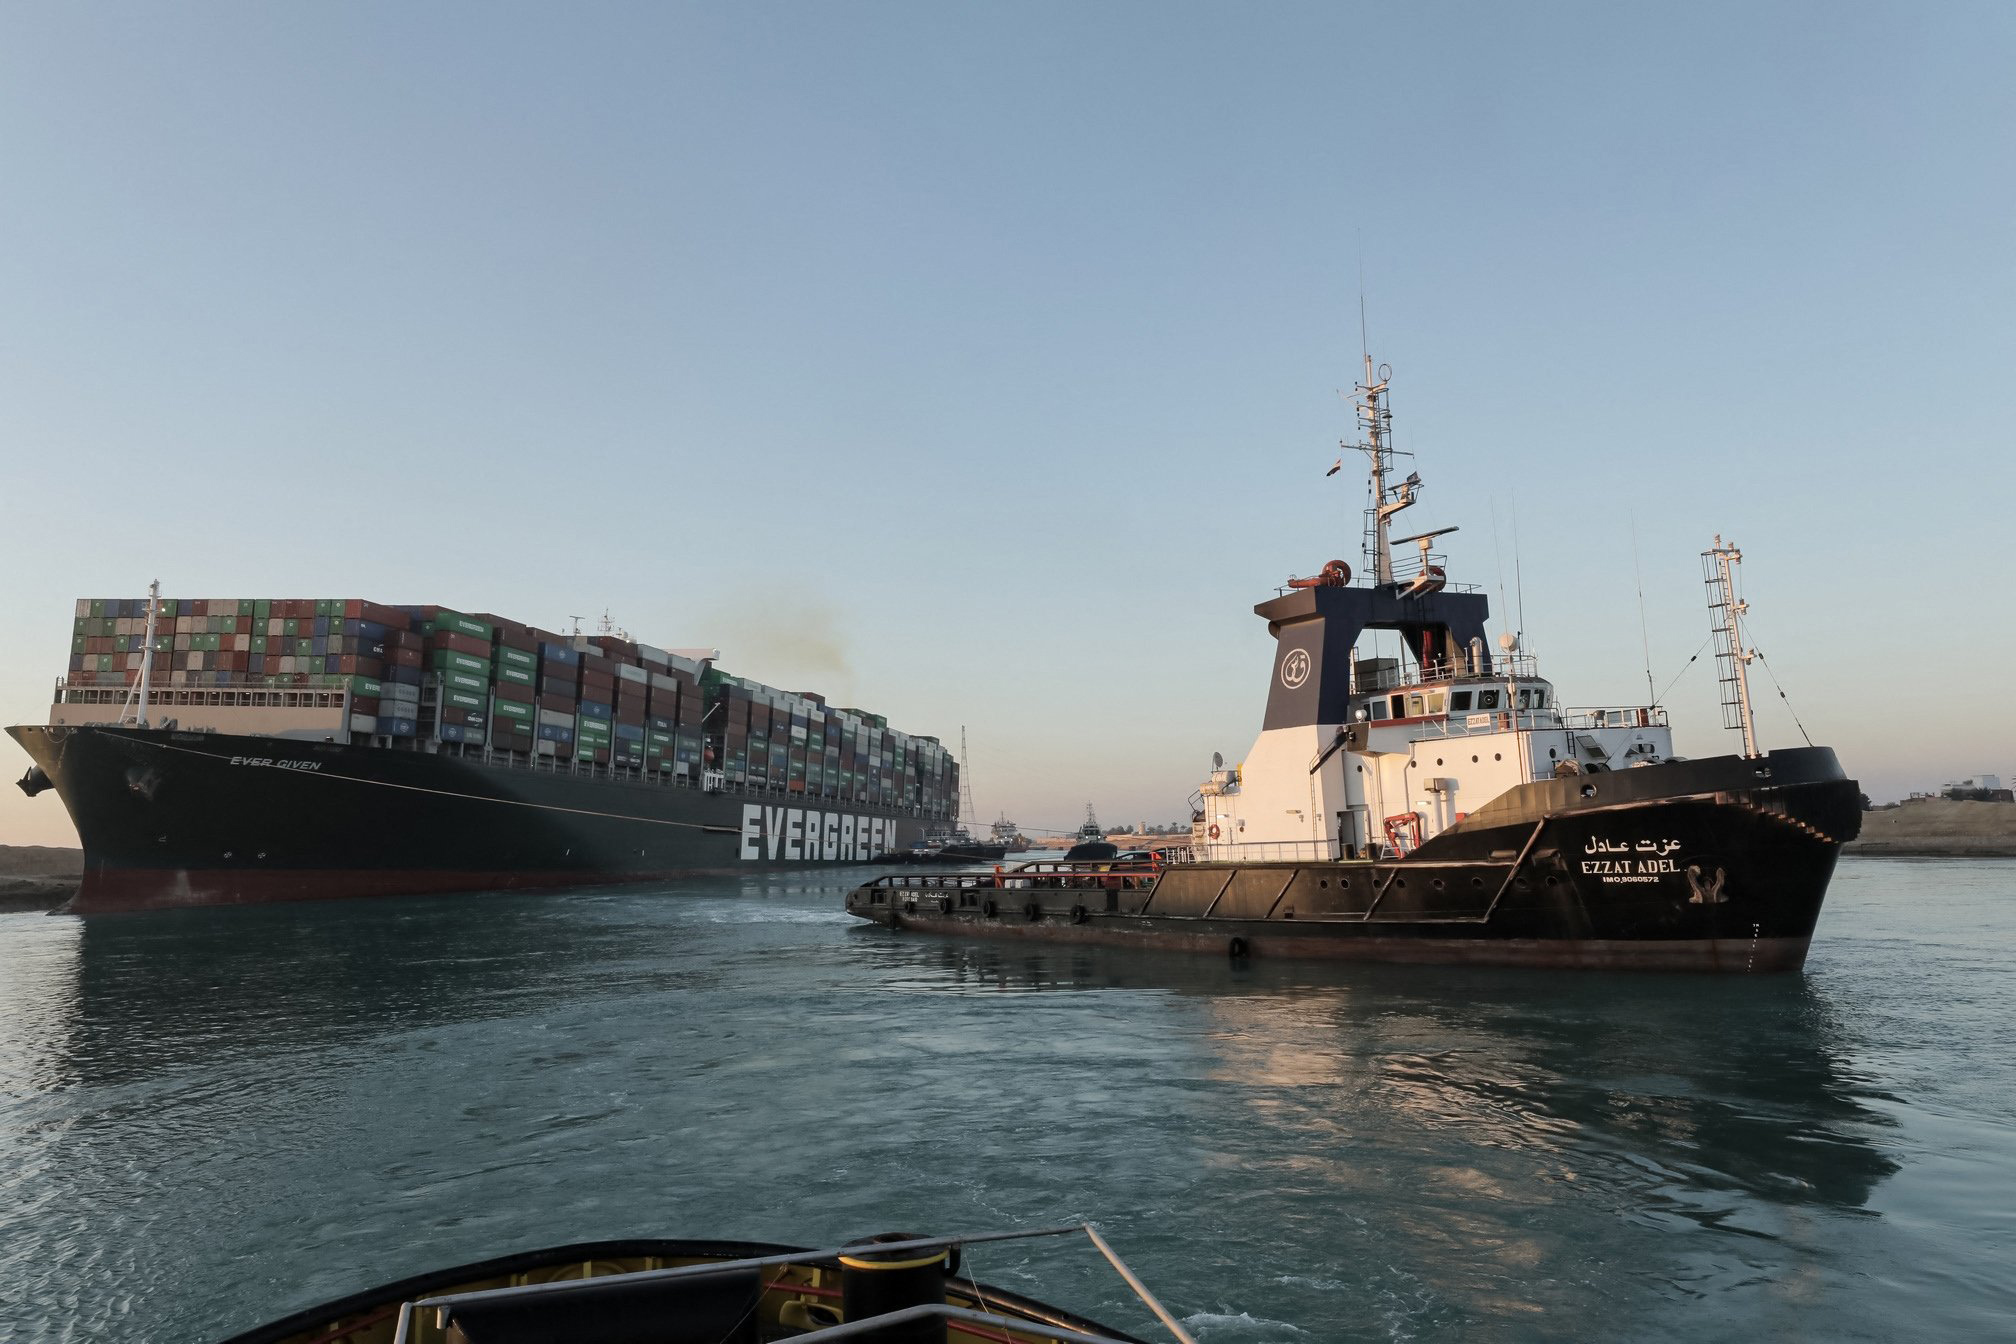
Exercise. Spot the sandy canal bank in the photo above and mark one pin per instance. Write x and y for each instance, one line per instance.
(37, 877)
(1939, 828)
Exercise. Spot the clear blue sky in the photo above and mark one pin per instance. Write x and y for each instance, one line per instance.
(978, 364)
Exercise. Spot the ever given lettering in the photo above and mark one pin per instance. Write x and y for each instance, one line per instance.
(804, 834)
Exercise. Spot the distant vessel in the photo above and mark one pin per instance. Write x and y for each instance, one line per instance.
(1432, 801)
(237, 751)
(1007, 834)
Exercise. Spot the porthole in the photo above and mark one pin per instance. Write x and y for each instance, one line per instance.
(1438, 760)
(1473, 760)
(1553, 881)
(1551, 753)
(1437, 884)
(1477, 882)
(1401, 883)
(1497, 755)
(1325, 884)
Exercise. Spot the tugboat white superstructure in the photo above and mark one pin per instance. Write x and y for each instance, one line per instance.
(1439, 803)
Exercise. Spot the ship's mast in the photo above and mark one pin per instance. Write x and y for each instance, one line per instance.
(966, 807)
(1375, 422)
(1732, 660)
(147, 656)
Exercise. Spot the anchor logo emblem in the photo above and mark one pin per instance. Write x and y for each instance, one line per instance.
(1295, 668)
(1707, 890)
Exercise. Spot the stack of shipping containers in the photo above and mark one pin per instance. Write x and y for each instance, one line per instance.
(430, 673)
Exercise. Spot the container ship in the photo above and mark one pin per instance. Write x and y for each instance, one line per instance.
(231, 751)
(1417, 795)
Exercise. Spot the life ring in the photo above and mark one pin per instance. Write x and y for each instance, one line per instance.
(1213, 832)
(989, 909)
(1237, 948)
(1078, 914)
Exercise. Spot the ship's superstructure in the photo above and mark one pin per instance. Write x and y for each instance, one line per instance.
(1361, 752)
(1418, 792)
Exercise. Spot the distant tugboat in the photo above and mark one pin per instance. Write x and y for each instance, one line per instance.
(1442, 806)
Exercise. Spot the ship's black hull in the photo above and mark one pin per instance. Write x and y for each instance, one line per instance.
(1717, 865)
(171, 819)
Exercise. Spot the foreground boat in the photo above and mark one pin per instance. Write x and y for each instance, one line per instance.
(1441, 805)
(894, 1289)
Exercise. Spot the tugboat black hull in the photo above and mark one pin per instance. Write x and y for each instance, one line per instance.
(1716, 865)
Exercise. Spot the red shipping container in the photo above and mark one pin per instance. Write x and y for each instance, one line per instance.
(559, 704)
(404, 657)
(454, 643)
(512, 691)
(390, 617)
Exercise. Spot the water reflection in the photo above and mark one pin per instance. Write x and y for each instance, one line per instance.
(1670, 1084)
(128, 997)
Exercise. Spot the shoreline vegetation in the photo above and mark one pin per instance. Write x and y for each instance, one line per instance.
(42, 877)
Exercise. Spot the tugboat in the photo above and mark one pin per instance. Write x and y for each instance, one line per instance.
(1443, 806)
(1007, 834)
(1090, 843)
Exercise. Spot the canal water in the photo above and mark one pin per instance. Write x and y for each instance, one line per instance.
(215, 1117)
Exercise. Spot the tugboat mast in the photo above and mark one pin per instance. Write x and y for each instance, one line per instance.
(1732, 660)
(1375, 421)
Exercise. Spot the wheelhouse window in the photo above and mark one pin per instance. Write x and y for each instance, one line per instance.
(1487, 699)
(1378, 709)
(1416, 707)
(1459, 702)
(1399, 706)
(1435, 703)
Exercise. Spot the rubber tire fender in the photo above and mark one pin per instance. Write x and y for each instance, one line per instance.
(1237, 949)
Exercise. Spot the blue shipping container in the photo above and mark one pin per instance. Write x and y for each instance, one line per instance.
(629, 732)
(553, 732)
(594, 709)
(559, 653)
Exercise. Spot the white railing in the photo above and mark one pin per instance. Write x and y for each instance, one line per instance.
(1624, 716)
(1513, 666)
(1268, 851)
